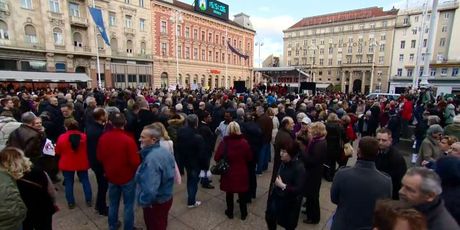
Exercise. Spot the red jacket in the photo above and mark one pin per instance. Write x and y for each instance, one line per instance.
(236, 180)
(117, 152)
(407, 111)
(71, 160)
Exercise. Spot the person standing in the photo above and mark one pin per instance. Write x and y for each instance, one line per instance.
(266, 124)
(191, 151)
(209, 140)
(236, 180)
(336, 138)
(283, 140)
(94, 130)
(429, 149)
(356, 189)
(155, 180)
(71, 147)
(117, 151)
(390, 161)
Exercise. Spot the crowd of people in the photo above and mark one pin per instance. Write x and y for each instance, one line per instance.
(140, 143)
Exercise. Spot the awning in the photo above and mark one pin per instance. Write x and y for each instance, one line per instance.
(322, 86)
(22, 76)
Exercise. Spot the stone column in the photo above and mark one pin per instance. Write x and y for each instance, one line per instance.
(350, 81)
(342, 81)
(213, 81)
(363, 82)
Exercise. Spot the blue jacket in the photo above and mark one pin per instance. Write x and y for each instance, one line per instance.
(155, 176)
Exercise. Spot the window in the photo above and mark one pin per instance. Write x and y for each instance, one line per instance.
(454, 72)
(164, 47)
(77, 40)
(381, 60)
(406, 21)
(57, 34)
(321, 51)
(382, 48)
(195, 53)
(321, 61)
(179, 51)
(414, 31)
(410, 72)
(143, 48)
(399, 73)
(54, 6)
(128, 21)
(203, 55)
(371, 49)
(179, 30)
(129, 46)
(360, 49)
(100, 42)
(350, 49)
(384, 24)
(210, 37)
(114, 45)
(132, 78)
(141, 3)
(411, 57)
(163, 27)
(112, 19)
(127, 1)
(210, 56)
(412, 44)
(349, 59)
(446, 15)
(442, 42)
(203, 36)
(433, 72)
(74, 9)
(31, 34)
(187, 32)
(142, 24)
(187, 52)
(359, 58)
(416, 18)
(403, 44)
(217, 57)
(27, 4)
(4, 30)
(217, 39)
(444, 29)
(443, 71)
(329, 61)
(401, 57)
(331, 50)
(223, 58)
(424, 42)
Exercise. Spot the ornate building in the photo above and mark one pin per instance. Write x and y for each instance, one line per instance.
(60, 36)
(191, 49)
(350, 50)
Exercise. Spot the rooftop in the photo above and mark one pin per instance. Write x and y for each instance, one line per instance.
(371, 12)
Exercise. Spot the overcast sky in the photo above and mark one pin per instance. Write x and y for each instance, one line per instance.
(271, 17)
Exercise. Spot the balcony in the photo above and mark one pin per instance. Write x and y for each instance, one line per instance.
(130, 31)
(357, 64)
(59, 47)
(402, 24)
(78, 21)
(82, 49)
(6, 42)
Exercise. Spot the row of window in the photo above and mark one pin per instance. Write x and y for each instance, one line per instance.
(340, 42)
(349, 60)
(128, 21)
(433, 72)
(218, 57)
(442, 43)
(350, 49)
(382, 24)
(407, 20)
(54, 5)
(217, 39)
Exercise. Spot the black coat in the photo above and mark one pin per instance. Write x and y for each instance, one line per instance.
(253, 135)
(313, 160)
(355, 191)
(394, 164)
(209, 141)
(437, 216)
(35, 195)
(283, 140)
(448, 170)
(285, 205)
(94, 131)
(191, 150)
(335, 139)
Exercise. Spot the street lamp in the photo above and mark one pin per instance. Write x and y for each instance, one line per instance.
(313, 48)
(374, 45)
(259, 44)
(177, 19)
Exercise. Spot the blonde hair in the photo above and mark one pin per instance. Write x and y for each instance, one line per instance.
(233, 128)
(318, 129)
(13, 161)
(332, 118)
(161, 128)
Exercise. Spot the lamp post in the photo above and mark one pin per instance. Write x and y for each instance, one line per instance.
(312, 64)
(177, 18)
(260, 44)
(374, 45)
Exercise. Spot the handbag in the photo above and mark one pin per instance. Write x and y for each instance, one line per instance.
(222, 166)
(348, 150)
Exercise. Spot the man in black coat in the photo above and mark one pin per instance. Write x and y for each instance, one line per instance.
(421, 187)
(144, 117)
(94, 130)
(56, 116)
(191, 151)
(209, 140)
(390, 161)
(356, 189)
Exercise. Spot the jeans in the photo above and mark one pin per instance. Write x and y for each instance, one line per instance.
(264, 156)
(102, 186)
(192, 185)
(68, 182)
(128, 191)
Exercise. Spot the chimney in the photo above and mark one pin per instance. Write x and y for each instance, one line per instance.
(243, 20)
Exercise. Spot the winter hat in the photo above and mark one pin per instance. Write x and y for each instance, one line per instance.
(306, 120)
(457, 119)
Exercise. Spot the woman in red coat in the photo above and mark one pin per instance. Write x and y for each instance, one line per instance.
(236, 180)
(71, 146)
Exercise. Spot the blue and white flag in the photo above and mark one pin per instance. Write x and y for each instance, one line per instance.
(97, 17)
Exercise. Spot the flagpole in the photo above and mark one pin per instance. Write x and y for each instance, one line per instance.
(226, 58)
(99, 81)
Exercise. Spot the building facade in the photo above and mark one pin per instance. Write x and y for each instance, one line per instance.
(199, 54)
(60, 36)
(351, 50)
(411, 33)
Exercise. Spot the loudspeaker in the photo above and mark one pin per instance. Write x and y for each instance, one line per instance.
(308, 86)
(239, 86)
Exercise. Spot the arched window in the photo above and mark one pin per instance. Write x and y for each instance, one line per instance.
(100, 42)
(4, 30)
(143, 48)
(77, 40)
(57, 34)
(129, 46)
(187, 80)
(31, 34)
(164, 80)
(114, 45)
(195, 79)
